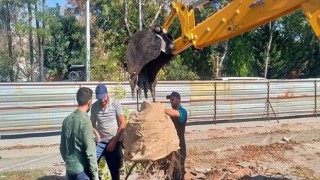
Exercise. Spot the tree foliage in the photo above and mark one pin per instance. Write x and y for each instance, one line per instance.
(65, 46)
(176, 70)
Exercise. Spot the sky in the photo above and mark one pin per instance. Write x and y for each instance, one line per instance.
(52, 3)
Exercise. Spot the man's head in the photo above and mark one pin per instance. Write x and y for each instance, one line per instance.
(102, 93)
(84, 97)
(174, 99)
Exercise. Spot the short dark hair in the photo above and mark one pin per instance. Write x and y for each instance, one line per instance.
(84, 94)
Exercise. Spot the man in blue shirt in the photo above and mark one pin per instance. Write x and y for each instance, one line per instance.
(179, 117)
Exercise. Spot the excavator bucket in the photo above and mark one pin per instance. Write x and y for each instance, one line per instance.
(147, 52)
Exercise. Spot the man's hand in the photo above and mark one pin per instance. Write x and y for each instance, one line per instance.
(111, 145)
(96, 135)
(97, 139)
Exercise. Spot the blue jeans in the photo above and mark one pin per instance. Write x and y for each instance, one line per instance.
(114, 159)
(79, 176)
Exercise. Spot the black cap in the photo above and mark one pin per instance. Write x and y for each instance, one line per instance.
(173, 94)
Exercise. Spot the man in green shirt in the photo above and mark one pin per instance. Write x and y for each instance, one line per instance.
(77, 146)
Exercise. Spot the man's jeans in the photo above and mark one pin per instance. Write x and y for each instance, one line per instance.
(80, 176)
(114, 159)
(178, 173)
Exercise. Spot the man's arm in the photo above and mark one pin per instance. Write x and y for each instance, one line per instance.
(97, 135)
(93, 119)
(181, 114)
(172, 113)
(90, 149)
(63, 146)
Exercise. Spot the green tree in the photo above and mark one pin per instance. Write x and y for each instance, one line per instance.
(65, 45)
(30, 31)
(176, 70)
(41, 33)
(112, 25)
(241, 59)
(298, 46)
(264, 49)
(7, 10)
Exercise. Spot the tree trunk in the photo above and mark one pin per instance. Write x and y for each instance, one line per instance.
(31, 43)
(223, 57)
(218, 61)
(215, 67)
(40, 39)
(271, 29)
(125, 5)
(9, 37)
(158, 12)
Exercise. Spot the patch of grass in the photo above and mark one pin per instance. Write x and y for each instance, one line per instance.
(103, 169)
(284, 125)
(192, 151)
(305, 172)
(23, 175)
(19, 146)
(277, 131)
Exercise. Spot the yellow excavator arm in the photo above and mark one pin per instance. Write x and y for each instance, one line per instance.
(236, 18)
(149, 50)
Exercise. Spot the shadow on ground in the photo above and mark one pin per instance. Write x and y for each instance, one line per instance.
(54, 177)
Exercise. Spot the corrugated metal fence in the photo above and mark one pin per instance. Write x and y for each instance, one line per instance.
(43, 106)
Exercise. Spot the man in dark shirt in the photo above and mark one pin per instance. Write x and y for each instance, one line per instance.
(77, 146)
(179, 117)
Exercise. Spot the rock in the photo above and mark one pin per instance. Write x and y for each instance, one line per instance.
(268, 174)
(200, 176)
(193, 173)
(244, 164)
(58, 172)
(200, 170)
(192, 162)
(133, 176)
(241, 173)
(233, 169)
(225, 170)
(208, 170)
(285, 139)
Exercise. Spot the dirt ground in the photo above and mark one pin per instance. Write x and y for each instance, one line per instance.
(244, 150)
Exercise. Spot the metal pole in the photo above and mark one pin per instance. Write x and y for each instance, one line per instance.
(88, 40)
(315, 98)
(268, 99)
(140, 16)
(215, 103)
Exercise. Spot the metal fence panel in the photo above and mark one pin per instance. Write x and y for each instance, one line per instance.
(241, 99)
(34, 106)
(201, 101)
(317, 95)
(292, 98)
